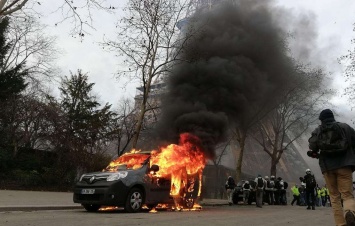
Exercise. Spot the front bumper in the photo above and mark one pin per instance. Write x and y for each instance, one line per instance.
(106, 194)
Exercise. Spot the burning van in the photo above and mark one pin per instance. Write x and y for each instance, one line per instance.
(169, 176)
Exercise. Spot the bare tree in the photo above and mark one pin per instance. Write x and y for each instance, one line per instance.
(241, 131)
(348, 61)
(124, 126)
(296, 111)
(32, 46)
(70, 10)
(149, 40)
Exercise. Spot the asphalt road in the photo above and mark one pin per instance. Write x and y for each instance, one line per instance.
(209, 215)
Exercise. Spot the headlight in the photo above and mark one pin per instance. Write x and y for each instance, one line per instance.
(117, 176)
(82, 176)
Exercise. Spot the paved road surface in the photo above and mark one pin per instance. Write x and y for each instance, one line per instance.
(30, 208)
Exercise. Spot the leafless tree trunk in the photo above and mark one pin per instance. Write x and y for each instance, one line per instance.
(296, 111)
(149, 40)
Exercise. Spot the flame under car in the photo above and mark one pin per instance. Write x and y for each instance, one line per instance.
(131, 182)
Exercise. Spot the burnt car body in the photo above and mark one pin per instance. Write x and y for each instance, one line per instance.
(131, 188)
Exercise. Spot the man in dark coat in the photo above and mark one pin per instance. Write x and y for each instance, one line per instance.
(230, 185)
(337, 167)
(310, 190)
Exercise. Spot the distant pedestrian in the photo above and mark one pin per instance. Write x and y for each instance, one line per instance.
(296, 195)
(230, 185)
(259, 189)
(311, 185)
(246, 192)
(269, 190)
(334, 144)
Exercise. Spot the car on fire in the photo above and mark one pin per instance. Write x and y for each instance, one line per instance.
(132, 182)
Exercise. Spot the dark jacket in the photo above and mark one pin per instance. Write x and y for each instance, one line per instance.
(230, 183)
(308, 186)
(328, 163)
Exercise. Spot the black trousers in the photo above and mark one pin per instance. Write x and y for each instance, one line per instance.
(296, 198)
(310, 197)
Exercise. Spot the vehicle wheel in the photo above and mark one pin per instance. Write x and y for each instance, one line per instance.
(91, 208)
(235, 199)
(134, 200)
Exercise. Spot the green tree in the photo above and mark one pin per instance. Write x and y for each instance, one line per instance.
(86, 129)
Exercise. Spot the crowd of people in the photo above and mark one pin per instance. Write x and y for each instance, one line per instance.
(309, 193)
(273, 191)
(267, 189)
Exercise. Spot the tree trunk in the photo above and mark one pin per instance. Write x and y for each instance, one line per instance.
(139, 124)
(273, 167)
(241, 140)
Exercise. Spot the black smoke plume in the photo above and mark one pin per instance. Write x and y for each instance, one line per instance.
(238, 62)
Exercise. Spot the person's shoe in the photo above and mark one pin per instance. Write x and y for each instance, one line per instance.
(350, 218)
(230, 203)
(308, 208)
(313, 208)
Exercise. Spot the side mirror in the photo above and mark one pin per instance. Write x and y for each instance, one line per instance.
(154, 168)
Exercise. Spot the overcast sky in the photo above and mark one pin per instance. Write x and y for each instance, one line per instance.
(333, 19)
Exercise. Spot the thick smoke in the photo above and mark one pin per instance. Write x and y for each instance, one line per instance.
(237, 65)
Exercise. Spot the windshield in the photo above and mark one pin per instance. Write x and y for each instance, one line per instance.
(127, 161)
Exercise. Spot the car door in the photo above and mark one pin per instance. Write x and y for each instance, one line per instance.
(157, 189)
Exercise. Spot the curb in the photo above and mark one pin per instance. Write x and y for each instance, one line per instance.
(37, 208)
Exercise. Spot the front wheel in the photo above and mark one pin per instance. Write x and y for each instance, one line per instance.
(134, 200)
(91, 208)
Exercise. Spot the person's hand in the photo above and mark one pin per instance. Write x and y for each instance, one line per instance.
(312, 154)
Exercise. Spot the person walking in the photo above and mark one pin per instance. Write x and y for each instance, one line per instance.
(333, 144)
(230, 185)
(259, 190)
(269, 190)
(296, 195)
(246, 192)
(311, 185)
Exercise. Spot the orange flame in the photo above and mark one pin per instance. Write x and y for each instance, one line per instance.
(179, 161)
(128, 161)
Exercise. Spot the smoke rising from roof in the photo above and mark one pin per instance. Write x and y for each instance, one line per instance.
(238, 64)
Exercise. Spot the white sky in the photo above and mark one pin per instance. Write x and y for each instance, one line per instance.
(334, 23)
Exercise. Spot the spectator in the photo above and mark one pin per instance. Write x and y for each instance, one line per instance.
(230, 185)
(259, 188)
(296, 195)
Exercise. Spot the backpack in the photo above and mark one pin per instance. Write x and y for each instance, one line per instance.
(331, 139)
(311, 181)
(271, 184)
(246, 186)
(260, 182)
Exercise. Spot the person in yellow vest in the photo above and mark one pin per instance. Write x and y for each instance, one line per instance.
(318, 196)
(296, 195)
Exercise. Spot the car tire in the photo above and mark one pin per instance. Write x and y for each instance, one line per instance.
(91, 208)
(235, 199)
(134, 200)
